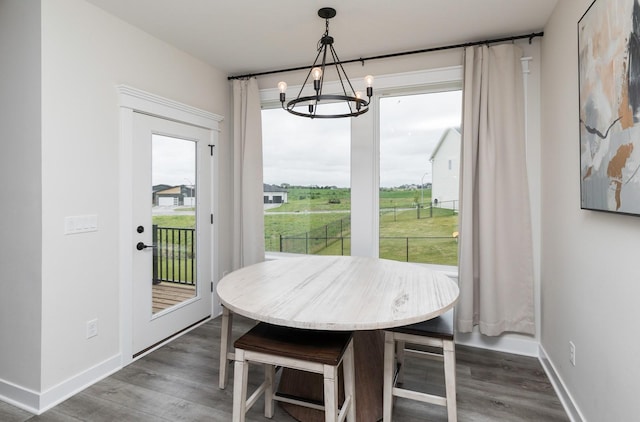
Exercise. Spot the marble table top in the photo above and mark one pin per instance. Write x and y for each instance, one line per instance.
(338, 292)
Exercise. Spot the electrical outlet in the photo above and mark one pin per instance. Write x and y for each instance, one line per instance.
(572, 353)
(92, 328)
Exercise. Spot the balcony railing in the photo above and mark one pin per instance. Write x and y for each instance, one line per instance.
(174, 255)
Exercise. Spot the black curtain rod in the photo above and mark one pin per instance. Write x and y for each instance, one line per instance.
(406, 53)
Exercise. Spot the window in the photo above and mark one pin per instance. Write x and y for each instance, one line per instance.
(306, 172)
(418, 202)
(409, 215)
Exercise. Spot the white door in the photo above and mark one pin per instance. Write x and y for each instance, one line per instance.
(171, 228)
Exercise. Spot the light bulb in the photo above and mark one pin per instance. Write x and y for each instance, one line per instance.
(368, 80)
(316, 72)
(359, 94)
(282, 86)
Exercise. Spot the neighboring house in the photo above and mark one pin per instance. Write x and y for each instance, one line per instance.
(445, 162)
(274, 194)
(167, 196)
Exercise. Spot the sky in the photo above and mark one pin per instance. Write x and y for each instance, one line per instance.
(307, 152)
(173, 161)
(302, 151)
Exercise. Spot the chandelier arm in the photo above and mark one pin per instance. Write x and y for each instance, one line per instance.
(344, 90)
(323, 67)
(339, 64)
(308, 74)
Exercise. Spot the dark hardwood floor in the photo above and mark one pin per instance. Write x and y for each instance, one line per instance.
(179, 382)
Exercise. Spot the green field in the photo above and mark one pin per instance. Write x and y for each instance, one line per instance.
(317, 220)
(406, 232)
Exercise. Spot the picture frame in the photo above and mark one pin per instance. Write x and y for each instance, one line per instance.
(609, 106)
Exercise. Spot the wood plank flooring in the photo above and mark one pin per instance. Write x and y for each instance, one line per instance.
(179, 382)
(166, 294)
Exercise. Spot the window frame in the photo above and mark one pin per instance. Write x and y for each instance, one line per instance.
(365, 154)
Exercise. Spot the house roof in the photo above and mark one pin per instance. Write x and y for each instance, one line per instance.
(170, 190)
(444, 136)
(161, 187)
(272, 188)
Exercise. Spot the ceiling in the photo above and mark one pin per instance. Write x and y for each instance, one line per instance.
(247, 36)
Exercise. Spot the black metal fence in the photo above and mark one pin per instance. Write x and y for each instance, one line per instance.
(317, 239)
(334, 238)
(441, 209)
(408, 248)
(174, 255)
(423, 249)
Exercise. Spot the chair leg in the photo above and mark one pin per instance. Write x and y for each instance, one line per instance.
(389, 359)
(400, 360)
(349, 373)
(240, 380)
(330, 393)
(269, 377)
(450, 379)
(225, 341)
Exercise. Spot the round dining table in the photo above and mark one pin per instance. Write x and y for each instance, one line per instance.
(343, 293)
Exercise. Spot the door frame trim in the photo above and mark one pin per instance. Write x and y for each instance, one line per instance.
(131, 100)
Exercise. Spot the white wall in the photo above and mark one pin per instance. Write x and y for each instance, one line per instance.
(20, 225)
(589, 272)
(85, 54)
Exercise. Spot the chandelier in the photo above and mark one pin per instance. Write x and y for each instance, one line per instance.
(355, 104)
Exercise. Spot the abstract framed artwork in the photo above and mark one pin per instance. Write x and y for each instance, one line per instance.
(609, 83)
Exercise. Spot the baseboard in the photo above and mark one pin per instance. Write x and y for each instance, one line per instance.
(37, 403)
(558, 385)
(18, 396)
(508, 343)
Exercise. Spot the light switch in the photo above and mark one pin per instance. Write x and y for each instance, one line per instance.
(80, 224)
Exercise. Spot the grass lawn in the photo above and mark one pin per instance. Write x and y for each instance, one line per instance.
(406, 233)
(176, 221)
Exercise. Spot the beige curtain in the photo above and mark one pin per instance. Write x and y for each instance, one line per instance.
(248, 223)
(495, 249)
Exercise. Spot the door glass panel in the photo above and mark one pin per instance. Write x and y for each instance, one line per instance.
(174, 202)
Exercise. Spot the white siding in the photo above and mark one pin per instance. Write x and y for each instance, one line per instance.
(446, 169)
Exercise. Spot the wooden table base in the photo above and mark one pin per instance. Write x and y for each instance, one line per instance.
(369, 360)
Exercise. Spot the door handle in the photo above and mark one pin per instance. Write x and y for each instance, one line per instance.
(140, 246)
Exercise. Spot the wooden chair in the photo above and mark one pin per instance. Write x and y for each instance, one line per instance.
(436, 334)
(307, 350)
(226, 355)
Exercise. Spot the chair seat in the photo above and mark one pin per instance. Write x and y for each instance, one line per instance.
(438, 327)
(324, 347)
(320, 352)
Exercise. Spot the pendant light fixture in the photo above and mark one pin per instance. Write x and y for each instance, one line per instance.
(310, 105)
